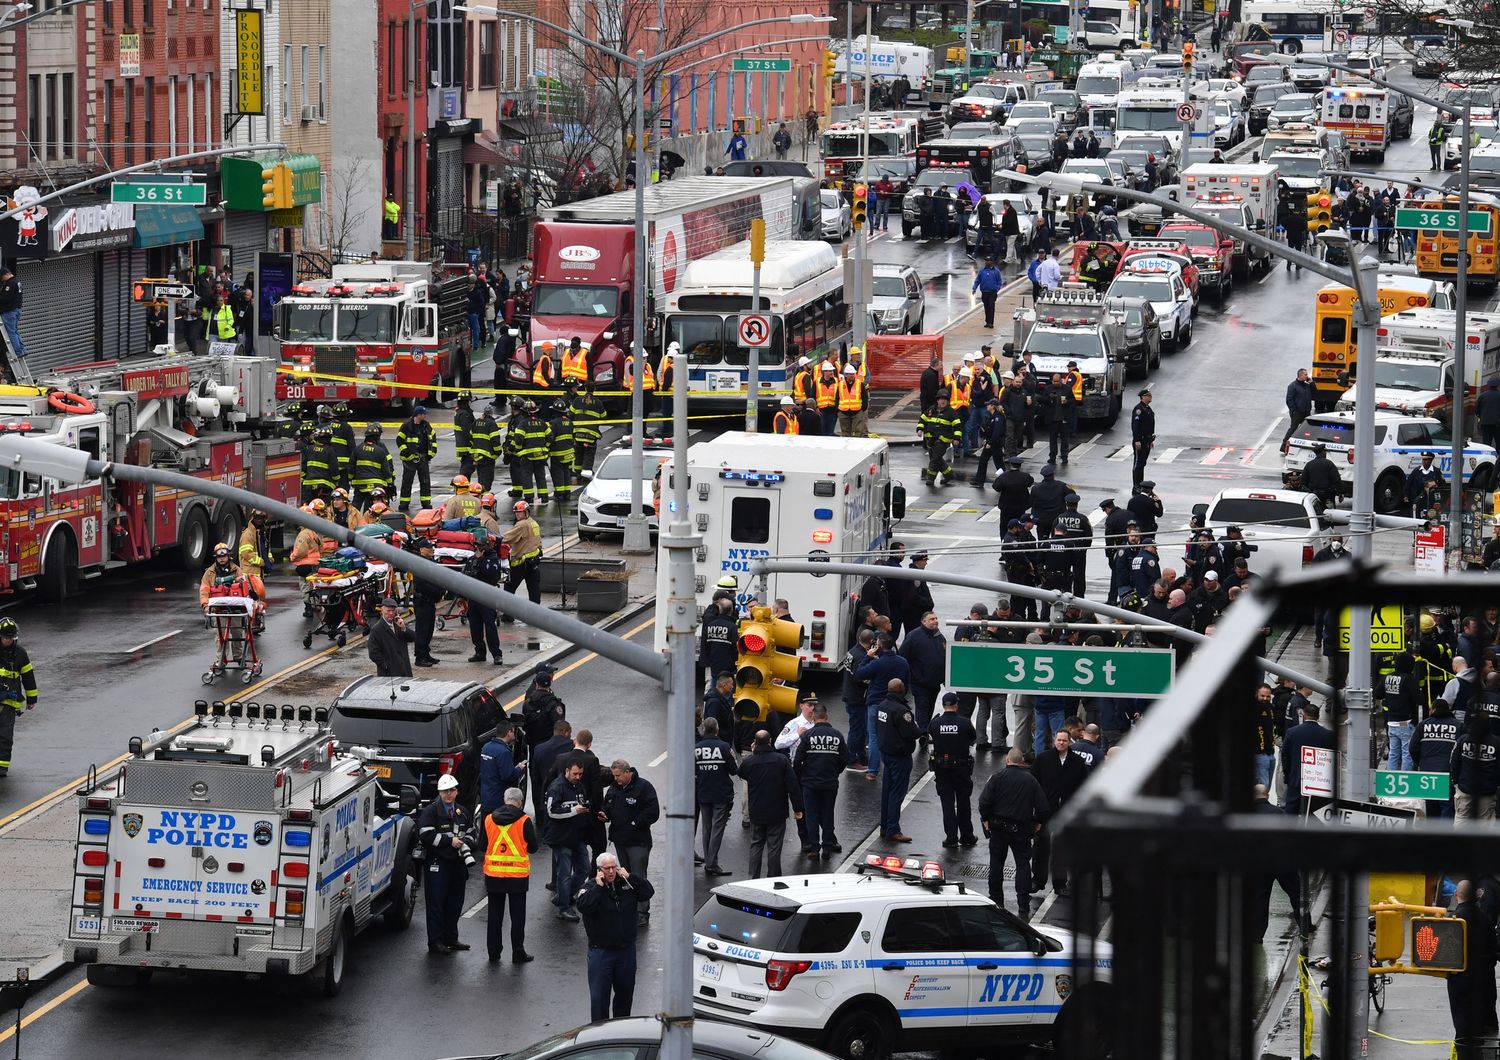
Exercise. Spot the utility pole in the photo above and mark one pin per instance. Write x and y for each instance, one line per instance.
(411, 128)
(861, 246)
(752, 389)
(1460, 382)
(637, 535)
(849, 56)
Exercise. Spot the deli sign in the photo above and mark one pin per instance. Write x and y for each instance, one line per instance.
(82, 229)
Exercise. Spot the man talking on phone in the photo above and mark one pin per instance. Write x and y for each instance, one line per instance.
(609, 904)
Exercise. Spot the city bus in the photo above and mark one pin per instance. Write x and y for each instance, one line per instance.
(1333, 324)
(1437, 252)
(1299, 26)
(801, 290)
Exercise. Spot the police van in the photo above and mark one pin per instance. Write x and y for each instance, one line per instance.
(757, 495)
(248, 842)
(891, 958)
(1071, 323)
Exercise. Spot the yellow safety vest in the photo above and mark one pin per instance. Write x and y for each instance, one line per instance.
(648, 377)
(224, 322)
(862, 369)
(505, 853)
(802, 385)
(575, 366)
(392, 211)
(958, 393)
(827, 394)
(851, 398)
(782, 423)
(1075, 383)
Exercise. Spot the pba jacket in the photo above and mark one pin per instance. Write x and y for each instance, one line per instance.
(820, 758)
(714, 762)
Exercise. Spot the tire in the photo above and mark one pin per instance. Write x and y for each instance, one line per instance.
(906, 230)
(1379, 156)
(1186, 337)
(1377, 993)
(1115, 405)
(1291, 47)
(398, 915)
(194, 540)
(860, 1034)
(332, 967)
(1156, 357)
(921, 323)
(1389, 491)
(1482, 479)
(59, 578)
(1084, 1026)
(227, 529)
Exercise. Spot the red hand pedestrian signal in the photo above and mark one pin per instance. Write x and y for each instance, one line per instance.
(1438, 943)
(1426, 942)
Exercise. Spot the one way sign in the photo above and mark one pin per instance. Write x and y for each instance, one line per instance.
(1361, 814)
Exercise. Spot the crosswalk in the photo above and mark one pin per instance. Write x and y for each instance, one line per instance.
(1262, 456)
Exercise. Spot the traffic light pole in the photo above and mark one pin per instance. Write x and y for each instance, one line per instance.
(861, 247)
(752, 389)
(1187, 100)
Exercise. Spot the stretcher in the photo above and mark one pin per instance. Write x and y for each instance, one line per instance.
(234, 619)
(345, 597)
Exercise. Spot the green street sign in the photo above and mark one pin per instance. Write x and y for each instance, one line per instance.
(779, 65)
(1393, 785)
(1441, 220)
(158, 193)
(1135, 673)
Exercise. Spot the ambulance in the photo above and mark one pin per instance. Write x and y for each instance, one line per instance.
(247, 842)
(757, 495)
(1415, 361)
(1241, 194)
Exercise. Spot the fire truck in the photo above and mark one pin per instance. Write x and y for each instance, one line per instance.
(378, 331)
(209, 416)
(888, 134)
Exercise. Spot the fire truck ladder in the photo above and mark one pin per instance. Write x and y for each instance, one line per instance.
(16, 367)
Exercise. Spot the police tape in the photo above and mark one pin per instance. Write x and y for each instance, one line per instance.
(443, 388)
(1311, 993)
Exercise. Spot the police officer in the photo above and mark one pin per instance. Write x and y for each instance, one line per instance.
(418, 447)
(1012, 809)
(1079, 533)
(1142, 434)
(819, 759)
(1424, 486)
(373, 468)
(484, 440)
(488, 568)
(951, 760)
(1145, 507)
(1014, 488)
(425, 599)
(588, 415)
(561, 451)
(719, 634)
(17, 687)
(463, 433)
(441, 829)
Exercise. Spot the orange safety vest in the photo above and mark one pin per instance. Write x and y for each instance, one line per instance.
(575, 366)
(541, 375)
(862, 369)
(851, 399)
(505, 854)
(828, 394)
(1075, 383)
(802, 385)
(648, 380)
(782, 423)
(958, 393)
(663, 377)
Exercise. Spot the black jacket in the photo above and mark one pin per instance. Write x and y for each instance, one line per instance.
(544, 756)
(928, 386)
(896, 728)
(1146, 511)
(1047, 500)
(1432, 742)
(1307, 734)
(1014, 488)
(772, 784)
(542, 710)
(1060, 778)
(717, 640)
(566, 827)
(1476, 764)
(721, 708)
(1321, 476)
(1013, 796)
(820, 757)
(926, 652)
(387, 647)
(953, 738)
(435, 827)
(632, 809)
(714, 762)
(609, 912)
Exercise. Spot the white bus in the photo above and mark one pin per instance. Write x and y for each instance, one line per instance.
(1299, 26)
(801, 290)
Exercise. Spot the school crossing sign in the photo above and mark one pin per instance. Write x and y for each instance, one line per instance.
(1387, 629)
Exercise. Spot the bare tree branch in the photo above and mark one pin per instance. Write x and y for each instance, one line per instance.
(343, 217)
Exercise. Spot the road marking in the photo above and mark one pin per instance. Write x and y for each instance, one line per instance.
(860, 851)
(156, 640)
(658, 760)
(1084, 447)
(66, 996)
(946, 511)
(1171, 454)
(991, 516)
(1123, 453)
(1217, 453)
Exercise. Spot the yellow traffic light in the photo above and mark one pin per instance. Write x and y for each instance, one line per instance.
(830, 61)
(1319, 211)
(861, 206)
(758, 241)
(1187, 57)
(276, 187)
(760, 665)
(1390, 939)
(1439, 943)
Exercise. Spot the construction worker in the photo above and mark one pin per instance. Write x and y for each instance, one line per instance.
(487, 517)
(527, 442)
(542, 372)
(19, 684)
(588, 413)
(342, 512)
(319, 464)
(853, 400)
(648, 380)
(373, 467)
(560, 450)
(463, 432)
(525, 541)
(802, 382)
(960, 392)
(785, 420)
(857, 359)
(940, 428)
(224, 322)
(482, 443)
(664, 388)
(827, 394)
(418, 446)
(575, 363)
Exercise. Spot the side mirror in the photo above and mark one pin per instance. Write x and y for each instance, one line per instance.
(409, 800)
(898, 502)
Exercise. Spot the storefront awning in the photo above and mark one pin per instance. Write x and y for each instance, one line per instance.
(160, 226)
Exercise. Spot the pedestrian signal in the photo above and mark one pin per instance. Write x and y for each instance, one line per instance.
(830, 61)
(760, 664)
(1439, 943)
(1390, 940)
(861, 207)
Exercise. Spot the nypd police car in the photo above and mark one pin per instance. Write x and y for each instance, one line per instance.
(1400, 442)
(891, 958)
(1159, 280)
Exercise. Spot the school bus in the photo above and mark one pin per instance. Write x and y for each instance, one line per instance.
(1437, 252)
(1333, 324)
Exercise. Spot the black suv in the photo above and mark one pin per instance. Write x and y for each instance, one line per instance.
(422, 728)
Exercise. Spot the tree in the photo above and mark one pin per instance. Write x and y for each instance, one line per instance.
(346, 210)
(574, 131)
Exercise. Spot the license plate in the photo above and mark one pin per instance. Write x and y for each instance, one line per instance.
(383, 772)
(711, 970)
(86, 925)
(724, 381)
(123, 923)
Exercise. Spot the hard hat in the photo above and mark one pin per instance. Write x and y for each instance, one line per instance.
(787, 401)
(342, 408)
(803, 362)
(475, 488)
(460, 480)
(447, 782)
(849, 369)
(970, 357)
(828, 366)
(8, 628)
(1428, 623)
(674, 347)
(377, 492)
(856, 349)
(221, 549)
(324, 412)
(729, 581)
(317, 504)
(373, 430)
(379, 507)
(465, 395)
(340, 493)
(965, 372)
(520, 506)
(323, 434)
(487, 501)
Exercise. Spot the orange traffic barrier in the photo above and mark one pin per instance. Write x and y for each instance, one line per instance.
(898, 361)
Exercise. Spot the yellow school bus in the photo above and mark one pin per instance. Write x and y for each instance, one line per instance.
(1333, 324)
(1437, 252)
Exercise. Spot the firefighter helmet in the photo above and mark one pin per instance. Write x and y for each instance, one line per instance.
(460, 482)
(487, 501)
(221, 549)
(466, 395)
(8, 628)
(520, 507)
(317, 504)
(324, 412)
(475, 488)
(324, 434)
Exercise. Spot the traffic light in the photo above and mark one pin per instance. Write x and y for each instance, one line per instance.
(630, 141)
(861, 206)
(1187, 57)
(1390, 940)
(760, 664)
(276, 187)
(830, 61)
(1439, 943)
(1319, 211)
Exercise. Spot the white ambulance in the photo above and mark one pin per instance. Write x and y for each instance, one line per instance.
(247, 843)
(1241, 194)
(1415, 361)
(755, 495)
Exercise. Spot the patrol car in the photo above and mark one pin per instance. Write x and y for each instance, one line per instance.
(891, 958)
(1159, 280)
(1400, 442)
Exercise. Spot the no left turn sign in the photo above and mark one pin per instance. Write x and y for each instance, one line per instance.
(1186, 112)
(755, 330)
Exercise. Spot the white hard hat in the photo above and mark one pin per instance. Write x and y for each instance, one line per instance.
(803, 362)
(674, 347)
(787, 401)
(447, 781)
(964, 371)
(1008, 375)
(849, 369)
(828, 366)
(971, 357)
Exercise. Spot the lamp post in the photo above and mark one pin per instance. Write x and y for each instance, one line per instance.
(411, 128)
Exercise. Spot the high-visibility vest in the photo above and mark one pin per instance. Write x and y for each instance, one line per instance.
(575, 366)
(541, 375)
(958, 393)
(851, 398)
(1075, 383)
(828, 394)
(392, 211)
(663, 378)
(505, 853)
(862, 369)
(224, 322)
(648, 377)
(782, 423)
(802, 385)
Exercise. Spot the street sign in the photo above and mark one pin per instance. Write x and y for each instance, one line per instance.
(779, 64)
(1135, 673)
(1186, 112)
(1317, 772)
(755, 330)
(1391, 784)
(170, 290)
(154, 193)
(1362, 815)
(1442, 220)
(1341, 36)
(1430, 547)
(1387, 631)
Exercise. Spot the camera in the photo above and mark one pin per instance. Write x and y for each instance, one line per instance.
(468, 855)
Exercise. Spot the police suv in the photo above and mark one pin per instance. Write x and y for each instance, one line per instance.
(891, 958)
(1159, 280)
(1400, 442)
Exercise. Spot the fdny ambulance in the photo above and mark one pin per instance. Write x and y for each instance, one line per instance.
(248, 842)
(758, 495)
(1415, 361)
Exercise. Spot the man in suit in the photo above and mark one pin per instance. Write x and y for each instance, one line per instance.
(1061, 773)
(388, 640)
(1309, 733)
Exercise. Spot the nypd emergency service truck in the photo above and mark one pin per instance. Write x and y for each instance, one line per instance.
(247, 843)
(755, 495)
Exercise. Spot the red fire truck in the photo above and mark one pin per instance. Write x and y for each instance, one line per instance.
(206, 416)
(371, 325)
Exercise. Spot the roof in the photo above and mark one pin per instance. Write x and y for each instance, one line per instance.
(404, 693)
(668, 197)
(792, 892)
(1382, 416)
(640, 1030)
(776, 452)
(788, 263)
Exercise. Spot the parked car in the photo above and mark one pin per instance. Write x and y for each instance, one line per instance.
(837, 224)
(1035, 153)
(975, 130)
(1104, 35)
(902, 171)
(1294, 107)
(1026, 206)
(604, 501)
(1229, 123)
(1265, 74)
(1309, 78)
(1220, 88)
(982, 102)
(1431, 60)
(1033, 108)
(1066, 107)
(1262, 100)
(897, 305)
(1138, 334)
(639, 1037)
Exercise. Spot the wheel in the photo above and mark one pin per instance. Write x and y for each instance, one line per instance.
(583, 535)
(398, 915)
(334, 963)
(1156, 356)
(227, 529)
(208, 678)
(1379, 156)
(245, 676)
(860, 1034)
(442, 623)
(921, 323)
(1390, 490)
(1114, 410)
(1186, 337)
(905, 230)
(1377, 992)
(194, 540)
(341, 640)
(59, 578)
(1291, 46)
(307, 641)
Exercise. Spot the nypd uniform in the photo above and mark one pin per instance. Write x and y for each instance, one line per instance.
(952, 762)
(447, 871)
(820, 758)
(1142, 436)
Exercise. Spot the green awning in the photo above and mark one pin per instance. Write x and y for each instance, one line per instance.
(160, 226)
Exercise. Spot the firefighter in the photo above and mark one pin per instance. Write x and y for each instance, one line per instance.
(252, 551)
(527, 442)
(418, 446)
(343, 441)
(575, 363)
(463, 503)
(319, 464)
(525, 541)
(19, 684)
(588, 413)
(373, 469)
(463, 433)
(487, 517)
(853, 400)
(560, 450)
(939, 428)
(221, 571)
(483, 442)
(785, 420)
(827, 394)
(342, 512)
(308, 551)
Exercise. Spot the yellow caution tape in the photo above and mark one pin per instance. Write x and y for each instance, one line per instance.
(1311, 993)
(298, 373)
